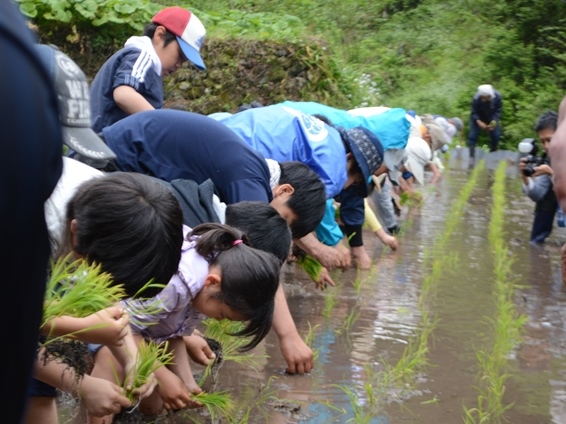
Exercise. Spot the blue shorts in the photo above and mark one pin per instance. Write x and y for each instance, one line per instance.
(406, 175)
(93, 348)
(40, 389)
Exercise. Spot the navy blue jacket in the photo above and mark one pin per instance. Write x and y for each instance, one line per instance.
(123, 68)
(172, 144)
(486, 111)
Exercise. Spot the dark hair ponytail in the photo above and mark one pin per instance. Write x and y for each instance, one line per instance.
(250, 277)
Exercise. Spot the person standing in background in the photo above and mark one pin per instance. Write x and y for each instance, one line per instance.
(31, 146)
(485, 115)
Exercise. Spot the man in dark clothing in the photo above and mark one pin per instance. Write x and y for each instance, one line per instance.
(31, 146)
(485, 115)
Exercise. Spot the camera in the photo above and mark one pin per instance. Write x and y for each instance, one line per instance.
(529, 145)
(531, 162)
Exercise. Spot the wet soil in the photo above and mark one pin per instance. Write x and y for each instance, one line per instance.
(371, 323)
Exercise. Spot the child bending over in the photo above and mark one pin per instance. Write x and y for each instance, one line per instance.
(220, 277)
(132, 226)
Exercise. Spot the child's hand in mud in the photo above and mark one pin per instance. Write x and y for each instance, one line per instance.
(198, 349)
(390, 241)
(174, 392)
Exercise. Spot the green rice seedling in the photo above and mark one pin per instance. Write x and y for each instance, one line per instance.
(505, 325)
(358, 284)
(361, 280)
(310, 265)
(411, 200)
(367, 402)
(330, 301)
(255, 400)
(333, 419)
(218, 404)
(150, 307)
(150, 357)
(415, 356)
(221, 331)
(351, 319)
(360, 415)
(311, 334)
(78, 289)
(231, 345)
(310, 337)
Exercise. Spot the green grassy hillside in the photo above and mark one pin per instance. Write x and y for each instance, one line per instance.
(426, 55)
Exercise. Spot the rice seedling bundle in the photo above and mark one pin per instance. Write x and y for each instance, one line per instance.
(78, 289)
(150, 357)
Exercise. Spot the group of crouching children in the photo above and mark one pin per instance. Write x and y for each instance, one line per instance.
(193, 217)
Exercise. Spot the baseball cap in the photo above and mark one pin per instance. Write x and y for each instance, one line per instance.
(72, 90)
(188, 29)
(367, 151)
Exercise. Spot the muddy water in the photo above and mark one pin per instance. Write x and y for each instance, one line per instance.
(371, 323)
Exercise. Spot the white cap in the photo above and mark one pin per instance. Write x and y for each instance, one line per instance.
(486, 90)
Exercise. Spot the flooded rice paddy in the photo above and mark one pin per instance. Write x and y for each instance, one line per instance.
(433, 298)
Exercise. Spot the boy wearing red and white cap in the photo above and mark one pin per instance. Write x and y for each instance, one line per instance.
(131, 80)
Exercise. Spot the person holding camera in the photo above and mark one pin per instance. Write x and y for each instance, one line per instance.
(537, 176)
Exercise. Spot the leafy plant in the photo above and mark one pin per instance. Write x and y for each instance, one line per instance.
(220, 331)
(310, 337)
(311, 266)
(151, 356)
(134, 13)
(330, 301)
(218, 404)
(505, 326)
(78, 289)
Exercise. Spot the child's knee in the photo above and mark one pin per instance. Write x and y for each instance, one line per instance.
(152, 405)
